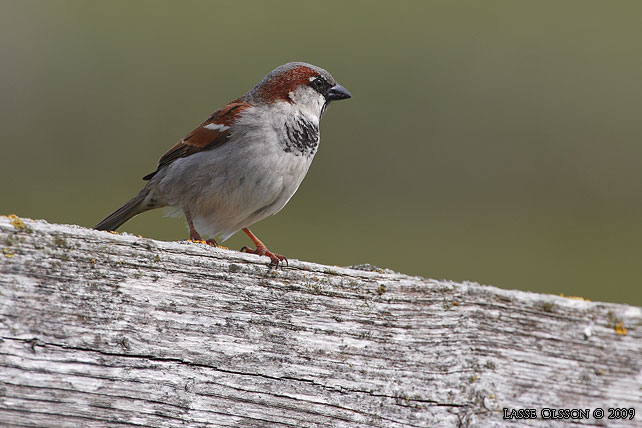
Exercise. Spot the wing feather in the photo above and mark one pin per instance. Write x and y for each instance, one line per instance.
(213, 132)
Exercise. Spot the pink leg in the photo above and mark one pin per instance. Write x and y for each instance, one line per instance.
(262, 250)
(194, 235)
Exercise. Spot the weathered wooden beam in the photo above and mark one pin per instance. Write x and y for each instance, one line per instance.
(106, 330)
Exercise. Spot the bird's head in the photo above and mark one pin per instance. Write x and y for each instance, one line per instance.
(305, 86)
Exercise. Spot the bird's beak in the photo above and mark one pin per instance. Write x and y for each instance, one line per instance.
(337, 92)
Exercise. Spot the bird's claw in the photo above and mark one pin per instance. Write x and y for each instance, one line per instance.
(275, 259)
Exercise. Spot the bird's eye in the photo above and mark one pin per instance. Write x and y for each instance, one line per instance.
(318, 83)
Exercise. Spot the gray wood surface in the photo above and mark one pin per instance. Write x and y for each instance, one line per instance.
(107, 330)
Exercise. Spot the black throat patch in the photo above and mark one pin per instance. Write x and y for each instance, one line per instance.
(301, 137)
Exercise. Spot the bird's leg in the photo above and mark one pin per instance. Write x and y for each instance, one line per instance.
(261, 249)
(194, 235)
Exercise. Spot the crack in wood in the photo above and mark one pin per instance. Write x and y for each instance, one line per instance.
(34, 342)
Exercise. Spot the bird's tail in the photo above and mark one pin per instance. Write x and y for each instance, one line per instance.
(134, 206)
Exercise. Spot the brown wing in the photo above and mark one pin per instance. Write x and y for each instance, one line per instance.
(213, 132)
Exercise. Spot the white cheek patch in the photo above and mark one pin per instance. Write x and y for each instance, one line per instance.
(312, 79)
(216, 127)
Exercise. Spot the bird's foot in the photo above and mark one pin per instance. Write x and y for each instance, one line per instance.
(210, 242)
(194, 236)
(263, 251)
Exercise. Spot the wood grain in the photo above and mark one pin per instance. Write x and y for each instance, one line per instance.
(106, 330)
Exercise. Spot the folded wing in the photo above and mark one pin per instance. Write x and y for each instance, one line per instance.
(213, 132)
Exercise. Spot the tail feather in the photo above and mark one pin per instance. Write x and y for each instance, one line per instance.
(134, 206)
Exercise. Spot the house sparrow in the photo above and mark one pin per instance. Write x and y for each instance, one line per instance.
(245, 161)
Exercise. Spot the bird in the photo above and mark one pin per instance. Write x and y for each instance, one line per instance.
(244, 162)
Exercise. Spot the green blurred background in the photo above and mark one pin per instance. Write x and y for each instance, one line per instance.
(497, 142)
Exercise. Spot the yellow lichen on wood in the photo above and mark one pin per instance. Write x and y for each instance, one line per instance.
(211, 244)
(17, 222)
(198, 241)
(620, 329)
(576, 298)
